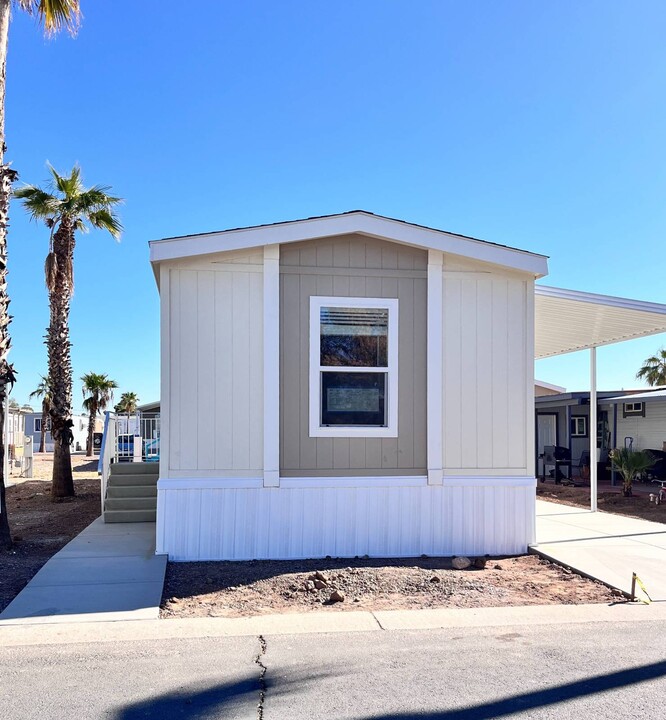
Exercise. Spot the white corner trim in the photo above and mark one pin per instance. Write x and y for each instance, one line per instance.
(314, 400)
(530, 420)
(271, 365)
(435, 368)
(165, 370)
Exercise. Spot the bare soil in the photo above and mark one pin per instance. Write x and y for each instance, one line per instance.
(638, 505)
(40, 527)
(259, 587)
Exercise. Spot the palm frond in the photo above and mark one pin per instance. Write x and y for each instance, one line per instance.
(653, 370)
(106, 220)
(50, 271)
(39, 203)
(55, 15)
(42, 390)
(97, 391)
(96, 198)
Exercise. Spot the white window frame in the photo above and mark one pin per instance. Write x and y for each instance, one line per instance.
(576, 419)
(391, 386)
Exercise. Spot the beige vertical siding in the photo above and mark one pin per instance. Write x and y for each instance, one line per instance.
(216, 368)
(352, 266)
(485, 365)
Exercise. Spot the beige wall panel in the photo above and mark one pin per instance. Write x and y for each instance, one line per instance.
(216, 369)
(334, 267)
(485, 364)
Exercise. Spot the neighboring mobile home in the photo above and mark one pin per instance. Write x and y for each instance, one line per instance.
(33, 428)
(352, 384)
(631, 418)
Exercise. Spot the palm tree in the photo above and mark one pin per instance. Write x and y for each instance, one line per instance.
(127, 403)
(43, 391)
(630, 463)
(654, 369)
(66, 206)
(97, 394)
(54, 15)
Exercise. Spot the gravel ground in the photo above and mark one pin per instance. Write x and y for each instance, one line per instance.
(235, 589)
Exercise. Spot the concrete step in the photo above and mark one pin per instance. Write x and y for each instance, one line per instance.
(129, 516)
(135, 468)
(123, 491)
(125, 480)
(130, 503)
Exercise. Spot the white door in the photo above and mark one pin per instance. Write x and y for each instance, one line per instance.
(546, 435)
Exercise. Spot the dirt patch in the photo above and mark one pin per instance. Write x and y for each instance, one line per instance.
(82, 466)
(41, 527)
(638, 505)
(259, 587)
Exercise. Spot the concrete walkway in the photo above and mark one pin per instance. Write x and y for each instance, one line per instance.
(107, 572)
(604, 546)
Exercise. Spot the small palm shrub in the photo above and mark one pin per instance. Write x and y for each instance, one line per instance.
(631, 463)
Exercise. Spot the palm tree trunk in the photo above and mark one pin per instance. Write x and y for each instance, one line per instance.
(60, 362)
(7, 176)
(45, 417)
(91, 431)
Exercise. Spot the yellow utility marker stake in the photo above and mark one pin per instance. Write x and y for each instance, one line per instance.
(635, 579)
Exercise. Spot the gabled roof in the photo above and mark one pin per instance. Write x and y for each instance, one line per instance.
(356, 221)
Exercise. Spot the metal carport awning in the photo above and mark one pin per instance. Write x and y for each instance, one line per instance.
(569, 320)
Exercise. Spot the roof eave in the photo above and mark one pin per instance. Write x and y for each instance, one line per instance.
(355, 222)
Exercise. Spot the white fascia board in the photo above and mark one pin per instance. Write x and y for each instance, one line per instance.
(645, 396)
(550, 386)
(363, 223)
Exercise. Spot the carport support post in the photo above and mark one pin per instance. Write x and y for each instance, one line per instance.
(592, 429)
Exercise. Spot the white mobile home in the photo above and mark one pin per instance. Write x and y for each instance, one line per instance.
(351, 385)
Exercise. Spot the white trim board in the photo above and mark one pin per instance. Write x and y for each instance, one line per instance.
(435, 368)
(390, 481)
(271, 365)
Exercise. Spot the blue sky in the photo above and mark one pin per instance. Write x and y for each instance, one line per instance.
(538, 125)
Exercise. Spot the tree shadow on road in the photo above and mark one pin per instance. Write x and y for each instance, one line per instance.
(194, 703)
(550, 696)
(233, 699)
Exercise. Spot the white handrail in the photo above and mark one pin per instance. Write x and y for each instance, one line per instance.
(108, 451)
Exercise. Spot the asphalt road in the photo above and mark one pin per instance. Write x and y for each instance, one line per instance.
(594, 671)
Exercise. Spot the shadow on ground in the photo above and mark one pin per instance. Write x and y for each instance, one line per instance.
(87, 467)
(214, 702)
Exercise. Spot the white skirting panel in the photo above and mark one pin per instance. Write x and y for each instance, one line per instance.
(243, 523)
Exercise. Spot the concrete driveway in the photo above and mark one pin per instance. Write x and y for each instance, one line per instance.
(604, 546)
(107, 572)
